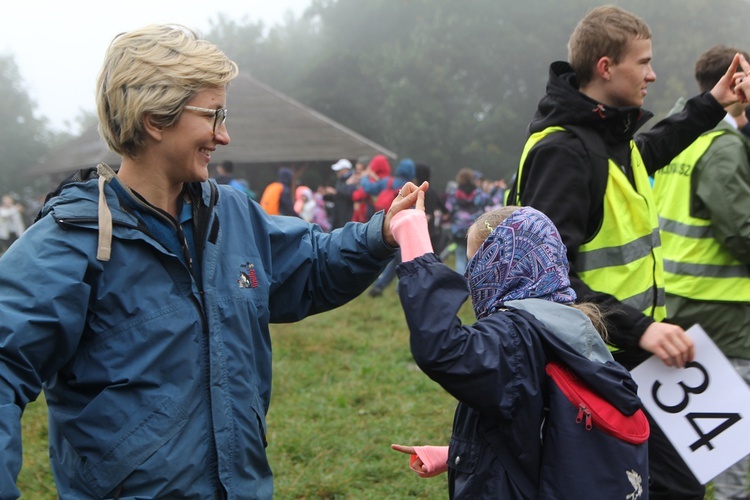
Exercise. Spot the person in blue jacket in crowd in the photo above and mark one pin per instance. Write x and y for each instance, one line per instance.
(517, 278)
(140, 300)
(405, 172)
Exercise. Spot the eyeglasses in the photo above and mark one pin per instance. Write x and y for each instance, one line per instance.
(220, 115)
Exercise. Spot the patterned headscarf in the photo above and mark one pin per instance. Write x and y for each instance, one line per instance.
(522, 258)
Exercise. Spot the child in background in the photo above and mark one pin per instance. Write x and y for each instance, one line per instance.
(464, 204)
(11, 222)
(311, 207)
(518, 282)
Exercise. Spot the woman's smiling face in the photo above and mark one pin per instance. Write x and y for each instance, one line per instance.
(188, 145)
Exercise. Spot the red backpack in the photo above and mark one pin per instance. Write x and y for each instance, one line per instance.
(589, 445)
(386, 196)
(590, 449)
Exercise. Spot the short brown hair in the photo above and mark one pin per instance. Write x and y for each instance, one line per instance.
(465, 176)
(713, 64)
(605, 31)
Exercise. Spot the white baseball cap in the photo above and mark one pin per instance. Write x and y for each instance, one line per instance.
(341, 164)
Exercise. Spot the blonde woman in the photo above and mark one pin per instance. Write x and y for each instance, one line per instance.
(141, 300)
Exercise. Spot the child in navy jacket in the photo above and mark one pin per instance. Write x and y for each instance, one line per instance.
(518, 282)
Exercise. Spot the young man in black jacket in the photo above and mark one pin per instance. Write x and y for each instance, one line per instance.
(603, 206)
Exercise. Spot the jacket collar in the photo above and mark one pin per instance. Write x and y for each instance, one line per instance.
(564, 104)
(90, 194)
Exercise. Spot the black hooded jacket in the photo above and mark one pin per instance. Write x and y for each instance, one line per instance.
(558, 177)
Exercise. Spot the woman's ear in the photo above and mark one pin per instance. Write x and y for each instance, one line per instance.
(152, 127)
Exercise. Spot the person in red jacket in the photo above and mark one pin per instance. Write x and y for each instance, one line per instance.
(379, 168)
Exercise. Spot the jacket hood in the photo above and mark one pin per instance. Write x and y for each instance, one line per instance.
(569, 325)
(84, 196)
(564, 104)
(406, 169)
(89, 195)
(285, 175)
(303, 191)
(585, 353)
(379, 164)
(422, 173)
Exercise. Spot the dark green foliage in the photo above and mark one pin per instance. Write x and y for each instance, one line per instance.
(454, 84)
(23, 136)
(450, 84)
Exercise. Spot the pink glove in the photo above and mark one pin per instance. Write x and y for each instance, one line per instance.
(434, 458)
(409, 229)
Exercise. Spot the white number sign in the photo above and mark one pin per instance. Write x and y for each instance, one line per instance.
(704, 408)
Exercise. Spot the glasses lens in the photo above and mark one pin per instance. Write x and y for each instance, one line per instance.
(220, 117)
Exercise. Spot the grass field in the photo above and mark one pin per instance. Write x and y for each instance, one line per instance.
(345, 387)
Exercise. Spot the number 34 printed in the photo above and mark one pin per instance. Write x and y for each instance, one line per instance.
(702, 408)
(722, 421)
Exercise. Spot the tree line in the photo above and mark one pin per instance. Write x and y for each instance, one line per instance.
(451, 84)
(454, 84)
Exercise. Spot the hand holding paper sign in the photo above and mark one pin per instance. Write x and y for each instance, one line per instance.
(669, 343)
(704, 409)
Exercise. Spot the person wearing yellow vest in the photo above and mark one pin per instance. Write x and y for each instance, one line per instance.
(604, 207)
(703, 200)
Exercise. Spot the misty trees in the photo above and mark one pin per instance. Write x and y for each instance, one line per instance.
(449, 83)
(24, 138)
(454, 84)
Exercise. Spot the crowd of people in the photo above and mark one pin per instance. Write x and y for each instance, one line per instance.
(353, 197)
(151, 335)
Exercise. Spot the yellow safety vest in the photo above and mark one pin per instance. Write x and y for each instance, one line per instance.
(624, 258)
(696, 265)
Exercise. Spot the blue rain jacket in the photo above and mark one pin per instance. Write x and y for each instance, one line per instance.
(156, 386)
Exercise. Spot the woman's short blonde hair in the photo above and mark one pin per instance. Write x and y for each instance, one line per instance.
(154, 70)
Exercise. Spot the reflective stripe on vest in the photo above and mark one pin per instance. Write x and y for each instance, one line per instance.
(696, 265)
(624, 258)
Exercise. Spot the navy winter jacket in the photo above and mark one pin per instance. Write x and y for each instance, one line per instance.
(495, 369)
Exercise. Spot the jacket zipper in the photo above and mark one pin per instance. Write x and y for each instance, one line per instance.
(584, 414)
